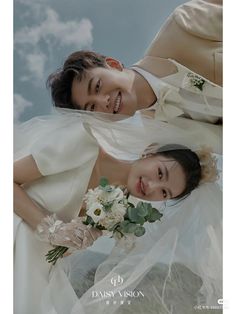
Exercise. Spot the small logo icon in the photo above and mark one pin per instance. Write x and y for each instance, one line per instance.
(117, 280)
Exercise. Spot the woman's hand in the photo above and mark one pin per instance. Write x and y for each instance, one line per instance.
(74, 234)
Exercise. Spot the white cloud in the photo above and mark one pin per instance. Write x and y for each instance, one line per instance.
(31, 43)
(74, 33)
(36, 64)
(20, 104)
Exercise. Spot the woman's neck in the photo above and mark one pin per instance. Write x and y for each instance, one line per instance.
(114, 170)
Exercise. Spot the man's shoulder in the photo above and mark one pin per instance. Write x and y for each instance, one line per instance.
(202, 18)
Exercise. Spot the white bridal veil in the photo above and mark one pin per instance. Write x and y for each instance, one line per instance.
(176, 267)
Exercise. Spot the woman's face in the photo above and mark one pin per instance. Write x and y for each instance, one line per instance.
(156, 178)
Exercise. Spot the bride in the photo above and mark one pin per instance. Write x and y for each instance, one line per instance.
(175, 267)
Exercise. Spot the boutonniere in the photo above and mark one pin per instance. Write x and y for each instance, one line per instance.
(194, 81)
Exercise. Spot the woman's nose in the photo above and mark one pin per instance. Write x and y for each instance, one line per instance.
(153, 185)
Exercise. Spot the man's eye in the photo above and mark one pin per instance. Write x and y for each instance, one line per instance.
(92, 108)
(97, 87)
(164, 193)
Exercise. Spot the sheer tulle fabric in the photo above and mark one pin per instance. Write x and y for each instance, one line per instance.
(176, 265)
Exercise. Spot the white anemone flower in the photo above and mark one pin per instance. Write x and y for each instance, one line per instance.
(96, 212)
(114, 216)
(115, 195)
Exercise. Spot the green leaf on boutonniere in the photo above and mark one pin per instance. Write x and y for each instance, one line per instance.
(103, 182)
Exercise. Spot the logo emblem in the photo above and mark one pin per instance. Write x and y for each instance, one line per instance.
(117, 280)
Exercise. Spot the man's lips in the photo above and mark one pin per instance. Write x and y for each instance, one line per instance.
(117, 103)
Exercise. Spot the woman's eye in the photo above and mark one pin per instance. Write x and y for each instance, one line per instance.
(164, 193)
(98, 86)
(160, 174)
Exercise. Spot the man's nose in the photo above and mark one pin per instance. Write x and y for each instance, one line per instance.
(104, 102)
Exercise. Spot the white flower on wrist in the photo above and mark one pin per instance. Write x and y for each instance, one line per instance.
(96, 212)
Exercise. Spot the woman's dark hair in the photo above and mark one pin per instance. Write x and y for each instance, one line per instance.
(75, 66)
(188, 160)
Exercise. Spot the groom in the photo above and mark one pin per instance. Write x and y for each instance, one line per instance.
(179, 76)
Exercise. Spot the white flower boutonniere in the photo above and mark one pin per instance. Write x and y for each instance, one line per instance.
(194, 81)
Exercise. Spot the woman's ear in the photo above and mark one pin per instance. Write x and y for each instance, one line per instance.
(115, 64)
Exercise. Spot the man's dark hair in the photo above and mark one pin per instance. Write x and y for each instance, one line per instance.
(75, 66)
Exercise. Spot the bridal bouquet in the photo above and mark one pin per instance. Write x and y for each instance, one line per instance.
(108, 208)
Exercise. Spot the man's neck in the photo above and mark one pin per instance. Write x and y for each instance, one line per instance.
(144, 92)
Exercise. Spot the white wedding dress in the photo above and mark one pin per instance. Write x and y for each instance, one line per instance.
(176, 265)
(66, 164)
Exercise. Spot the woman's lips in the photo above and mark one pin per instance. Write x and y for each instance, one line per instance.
(140, 187)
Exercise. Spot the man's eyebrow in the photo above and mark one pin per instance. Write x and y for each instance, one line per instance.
(90, 86)
(89, 91)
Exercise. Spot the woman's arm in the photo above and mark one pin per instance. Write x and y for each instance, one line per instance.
(26, 171)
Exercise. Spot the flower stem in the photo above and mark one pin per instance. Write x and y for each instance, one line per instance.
(53, 255)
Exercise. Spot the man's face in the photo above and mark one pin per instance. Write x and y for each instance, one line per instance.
(108, 90)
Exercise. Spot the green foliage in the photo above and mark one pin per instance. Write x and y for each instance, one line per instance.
(103, 182)
(140, 230)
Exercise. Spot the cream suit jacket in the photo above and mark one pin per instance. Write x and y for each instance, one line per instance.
(192, 36)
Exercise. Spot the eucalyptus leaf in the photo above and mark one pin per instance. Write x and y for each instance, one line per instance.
(130, 228)
(156, 215)
(141, 209)
(139, 231)
(124, 223)
(132, 214)
(141, 220)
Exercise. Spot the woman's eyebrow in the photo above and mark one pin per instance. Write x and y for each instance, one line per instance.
(166, 173)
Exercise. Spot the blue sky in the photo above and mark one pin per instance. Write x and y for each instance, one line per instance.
(47, 31)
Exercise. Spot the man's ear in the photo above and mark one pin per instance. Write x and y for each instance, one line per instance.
(115, 64)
